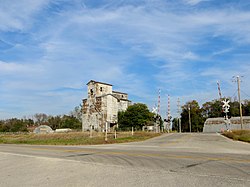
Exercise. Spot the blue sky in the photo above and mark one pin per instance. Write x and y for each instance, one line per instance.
(50, 49)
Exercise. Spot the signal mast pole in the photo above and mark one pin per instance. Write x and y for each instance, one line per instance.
(159, 102)
(218, 83)
(158, 111)
(169, 115)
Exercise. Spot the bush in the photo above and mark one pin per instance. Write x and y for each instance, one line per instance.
(241, 135)
(13, 125)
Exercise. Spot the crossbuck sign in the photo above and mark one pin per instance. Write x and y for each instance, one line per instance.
(225, 106)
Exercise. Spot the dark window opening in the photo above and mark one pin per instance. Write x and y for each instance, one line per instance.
(101, 89)
(91, 91)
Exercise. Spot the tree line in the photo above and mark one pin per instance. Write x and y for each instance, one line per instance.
(73, 121)
(136, 115)
(210, 109)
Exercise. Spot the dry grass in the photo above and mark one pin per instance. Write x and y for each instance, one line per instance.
(241, 135)
(74, 138)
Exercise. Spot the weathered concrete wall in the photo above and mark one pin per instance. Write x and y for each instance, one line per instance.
(102, 105)
(114, 117)
(123, 105)
(219, 124)
(109, 108)
(97, 89)
(120, 95)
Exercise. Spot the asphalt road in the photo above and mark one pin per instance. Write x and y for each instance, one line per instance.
(169, 160)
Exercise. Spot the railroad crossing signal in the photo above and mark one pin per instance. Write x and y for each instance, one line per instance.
(225, 106)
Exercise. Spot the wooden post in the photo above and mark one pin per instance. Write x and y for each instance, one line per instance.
(106, 131)
(90, 134)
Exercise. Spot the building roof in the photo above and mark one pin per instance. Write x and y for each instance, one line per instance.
(120, 92)
(221, 120)
(114, 97)
(99, 82)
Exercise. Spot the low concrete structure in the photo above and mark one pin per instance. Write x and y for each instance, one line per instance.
(151, 128)
(63, 130)
(220, 124)
(43, 129)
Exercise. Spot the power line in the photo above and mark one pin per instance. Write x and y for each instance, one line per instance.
(234, 94)
(245, 93)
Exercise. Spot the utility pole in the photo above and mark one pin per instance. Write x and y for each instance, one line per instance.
(241, 119)
(189, 118)
(179, 118)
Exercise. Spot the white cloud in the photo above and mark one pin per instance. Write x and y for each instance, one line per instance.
(105, 44)
(17, 14)
(194, 2)
(190, 56)
(223, 51)
(14, 68)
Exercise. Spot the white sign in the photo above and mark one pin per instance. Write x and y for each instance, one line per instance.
(226, 106)
(226, 103)
(154, 110)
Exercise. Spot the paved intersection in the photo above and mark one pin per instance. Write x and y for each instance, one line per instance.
(170, 160)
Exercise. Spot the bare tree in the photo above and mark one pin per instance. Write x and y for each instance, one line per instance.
(40, 118)
(77, 112)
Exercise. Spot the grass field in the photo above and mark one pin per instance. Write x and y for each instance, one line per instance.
(241, 135)
(74, 138)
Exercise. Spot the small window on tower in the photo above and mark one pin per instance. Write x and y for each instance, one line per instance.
(122, 96)
(101, 89)
(91, 91)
